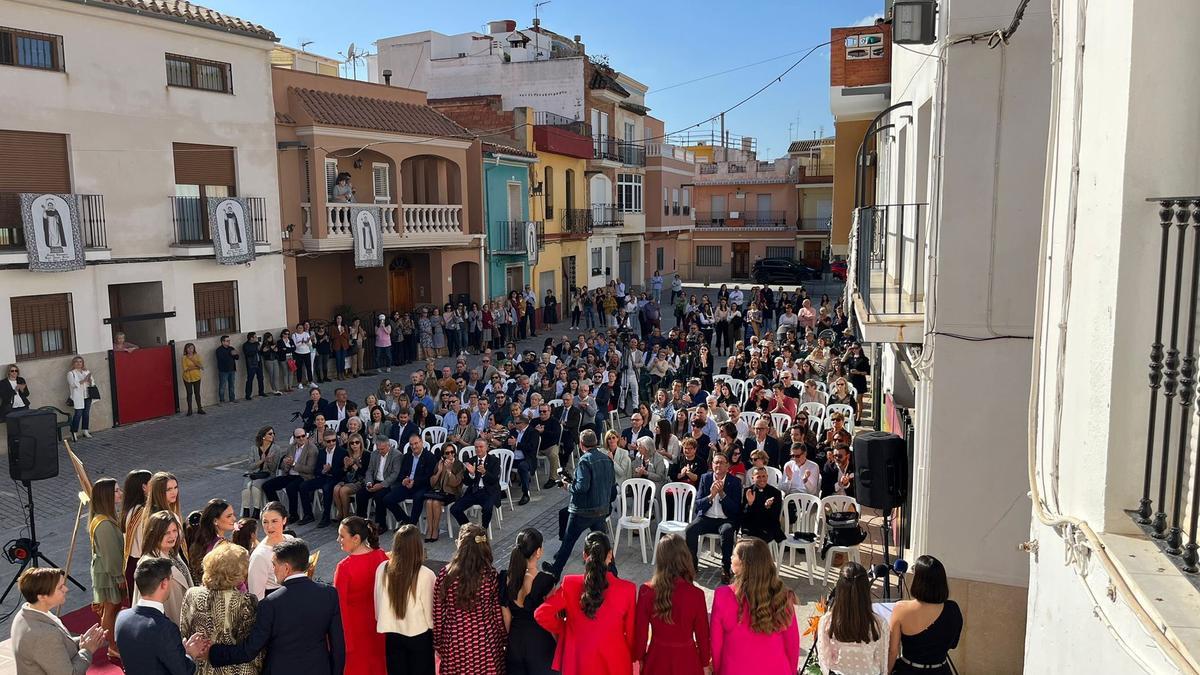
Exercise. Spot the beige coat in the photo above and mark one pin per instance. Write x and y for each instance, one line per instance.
(181, 580)
(42, 647)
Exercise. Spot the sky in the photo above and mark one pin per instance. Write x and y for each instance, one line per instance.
(661, 43)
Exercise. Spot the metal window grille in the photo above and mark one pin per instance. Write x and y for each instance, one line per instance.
(42, 326)
(187, 71)
(708, 256)
(216, 308)
(30, 49)
(781, 252)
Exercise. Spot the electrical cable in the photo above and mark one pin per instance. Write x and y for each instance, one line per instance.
(723, 72)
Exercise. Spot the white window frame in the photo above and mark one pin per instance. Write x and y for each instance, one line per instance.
(385, 197)
(630, 202)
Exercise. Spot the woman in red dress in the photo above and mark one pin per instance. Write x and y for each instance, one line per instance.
(672, 609)
(354, 579)
(468, 628)
(592, 616)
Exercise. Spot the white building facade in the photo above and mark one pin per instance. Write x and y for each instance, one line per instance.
(139, 118)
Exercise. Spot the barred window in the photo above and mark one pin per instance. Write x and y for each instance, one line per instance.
(216, 308)
(30, 50)
(193, 73)
(708, 256)
(42, 326)
(781, 252)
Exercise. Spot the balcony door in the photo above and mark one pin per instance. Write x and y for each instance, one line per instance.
(763, 205)
(740, 268)
(201, 171)
(41, 166)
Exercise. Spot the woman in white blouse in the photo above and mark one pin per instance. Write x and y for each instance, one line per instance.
(851, 638)
(404, 605)
(79, 379)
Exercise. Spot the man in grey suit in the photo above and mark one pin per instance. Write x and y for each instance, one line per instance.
(382, 472)
(40, 642)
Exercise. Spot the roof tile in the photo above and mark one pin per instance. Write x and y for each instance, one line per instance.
(192, 12)
(344, 110)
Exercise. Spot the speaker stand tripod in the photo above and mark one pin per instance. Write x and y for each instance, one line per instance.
(35, 553)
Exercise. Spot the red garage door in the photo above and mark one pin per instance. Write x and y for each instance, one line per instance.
(145, 384)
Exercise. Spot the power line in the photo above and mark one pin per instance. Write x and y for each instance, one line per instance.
(725, 72)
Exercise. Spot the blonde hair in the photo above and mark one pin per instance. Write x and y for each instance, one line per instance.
(225, 567)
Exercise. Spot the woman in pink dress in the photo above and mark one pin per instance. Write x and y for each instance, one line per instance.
(754, 629)
(354, 579)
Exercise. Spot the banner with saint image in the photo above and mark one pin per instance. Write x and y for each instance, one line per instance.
(367, 229)
(229, 225)
(53, 236)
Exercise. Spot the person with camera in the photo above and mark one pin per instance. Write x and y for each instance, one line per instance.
(718, 510)
(591, 494)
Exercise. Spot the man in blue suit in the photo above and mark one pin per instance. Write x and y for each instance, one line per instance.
(300, 625)
(718, 508)
(149, 642)
(417, 467)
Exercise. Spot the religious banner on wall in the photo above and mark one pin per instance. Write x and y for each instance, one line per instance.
(229, 224)
(367, 229)
(531, 242)
(53, 236)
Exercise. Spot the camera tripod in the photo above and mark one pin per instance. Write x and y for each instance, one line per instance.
(35, 553)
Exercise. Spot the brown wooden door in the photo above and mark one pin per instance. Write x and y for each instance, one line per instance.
(302, 298)
(812, 254)
(740, 269)
(401, 283)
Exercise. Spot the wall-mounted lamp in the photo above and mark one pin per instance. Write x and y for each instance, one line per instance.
(359, 279)
(358, 163)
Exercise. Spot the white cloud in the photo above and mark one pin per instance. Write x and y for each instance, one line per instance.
(869, 20)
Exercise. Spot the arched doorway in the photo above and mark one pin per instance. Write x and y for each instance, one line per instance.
(600, 194)
(464, 280)
(429, 179)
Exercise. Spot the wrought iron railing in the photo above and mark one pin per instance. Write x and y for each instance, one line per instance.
(577, 221)
(815, 223)
(616, 150)
(549, 119)
(510, 237)
(889, 257)
(607, 215)
(189, 216)
(741, 219)
(1161, 509)
(708, 168)
(91, 221)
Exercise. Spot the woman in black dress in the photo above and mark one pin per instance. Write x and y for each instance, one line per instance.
(926, 627)
(522, 589)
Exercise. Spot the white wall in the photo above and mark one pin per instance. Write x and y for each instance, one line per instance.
(121, 120)
(1132, 146)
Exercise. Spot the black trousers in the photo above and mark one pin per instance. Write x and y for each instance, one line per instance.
(409, 655)
(290, 484)
(480, 498)
(391, 502)
(308, 487)
(722, 527)
(252, 374)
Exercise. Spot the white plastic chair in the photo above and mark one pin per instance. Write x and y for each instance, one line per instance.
(834, 503)
(466, 454)
(751, 418)
(822, 387)
(806, 507)
(782, 422)
(718, 379)
(556, 403)
(332, 425)
(634, 516)
(507, 458)
(434, 435)
(815, 423)
(774, 476)
(847, 412)
(677, 516)
(814, 409)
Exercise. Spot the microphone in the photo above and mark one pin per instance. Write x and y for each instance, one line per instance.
(900, 566)
(878, 572)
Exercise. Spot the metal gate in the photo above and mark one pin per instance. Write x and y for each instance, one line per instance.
(625, 263)
(145, 385)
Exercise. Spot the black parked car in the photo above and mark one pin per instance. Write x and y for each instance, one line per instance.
(782, 270)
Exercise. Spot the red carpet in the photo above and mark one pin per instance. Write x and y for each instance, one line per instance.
(79, 621)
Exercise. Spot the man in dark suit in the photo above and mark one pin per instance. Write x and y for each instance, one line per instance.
(404, 428)
(525, 442)
(718, 508)
(416, 468)
(300, 625)
(636, 430)
(330, 468)
(570, 418)
(149, 642)
(482, 485)
(550, 432)
(338, 409)
(761, 439)
(837, 478)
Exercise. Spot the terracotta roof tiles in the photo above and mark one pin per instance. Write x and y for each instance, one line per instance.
(810, 144)
(361, 112)
(181, 9)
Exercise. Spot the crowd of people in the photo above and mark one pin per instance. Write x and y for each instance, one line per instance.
(744, 401)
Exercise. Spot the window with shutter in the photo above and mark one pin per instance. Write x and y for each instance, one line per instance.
(331, 172)
(201, 171)
(43, 167)
(381, 176)
(42, 326)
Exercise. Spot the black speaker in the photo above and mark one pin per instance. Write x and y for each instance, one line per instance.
(32, 444)
(880, 470)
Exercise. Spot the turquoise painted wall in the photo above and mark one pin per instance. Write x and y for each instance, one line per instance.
(496, 178)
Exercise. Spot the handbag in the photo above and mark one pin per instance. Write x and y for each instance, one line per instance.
(291, 364)
(93, 392)
(258, 475)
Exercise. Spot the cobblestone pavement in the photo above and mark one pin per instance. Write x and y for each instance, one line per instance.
(208, 454)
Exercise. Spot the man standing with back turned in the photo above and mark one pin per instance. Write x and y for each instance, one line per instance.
(592, 493)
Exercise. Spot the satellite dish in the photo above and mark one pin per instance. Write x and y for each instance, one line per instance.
(350, 51)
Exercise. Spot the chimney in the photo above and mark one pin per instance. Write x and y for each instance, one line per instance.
(387, 77)
(536, 22)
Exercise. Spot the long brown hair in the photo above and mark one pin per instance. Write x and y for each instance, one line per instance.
(206, 531)
(472, 560)
(529, 540)
(135, 493)
(672, 562)
(157, 525)
(851, 618)
(158, 494)
(595, 572)
(400, 575)
(760, 593)
(104, 499)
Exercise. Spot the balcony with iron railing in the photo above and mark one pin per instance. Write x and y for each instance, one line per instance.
(607, 215)
(189, 216)
(576, 222)
(543, 118)
(815, 224)
(616, 151)
(748, 172)
(759, 220)
(887, 279)
(562, 135)
(510, 237)
(90, 209)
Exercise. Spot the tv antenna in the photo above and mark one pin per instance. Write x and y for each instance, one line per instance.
(304, 45)
(352, 57)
